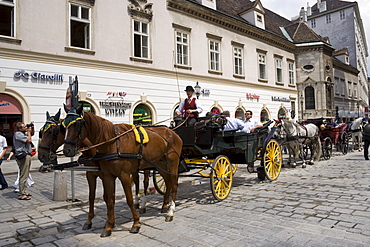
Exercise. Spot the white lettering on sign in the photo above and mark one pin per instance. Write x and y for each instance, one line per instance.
(39, 77)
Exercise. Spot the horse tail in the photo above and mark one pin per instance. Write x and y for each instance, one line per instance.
(318, 148)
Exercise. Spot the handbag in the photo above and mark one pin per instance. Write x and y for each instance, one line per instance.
(20, 155)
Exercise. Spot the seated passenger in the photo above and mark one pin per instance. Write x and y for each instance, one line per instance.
(232, 123)
(250, 124)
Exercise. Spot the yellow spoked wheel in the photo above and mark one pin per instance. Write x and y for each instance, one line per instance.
(272, 160)
(159, 183)
(221, 177)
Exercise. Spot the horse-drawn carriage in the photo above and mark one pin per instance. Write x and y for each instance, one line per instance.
(120, 153)
(331, 135)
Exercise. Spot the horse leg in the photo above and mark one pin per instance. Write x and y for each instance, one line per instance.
(109, 197)
(143, 196)
(91, 180)
(135, 180)
(173, 161)
(126, 184)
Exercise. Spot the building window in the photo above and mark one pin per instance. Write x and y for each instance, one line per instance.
(355, 90)
(141, 39)
(349, 89)
(264, 116)
(182, 48)
(313, 23)
(259, 18)
(329, 102)
(262, 66)
(80, 28)
(214, 55)
(7, 18)
(239, 113)
(279, 70)
(342, 86)
(238, 61)
(142, 115)
(342, 14)
(309, 98)
(336, 85)
(328, 18)
(291, 73)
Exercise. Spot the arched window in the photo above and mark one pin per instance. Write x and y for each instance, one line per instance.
(215, 111)
(282, 114)
(264, 116)
(87, 106)
(239, 113)
(142, 115)
(329, 101)
(309, 98)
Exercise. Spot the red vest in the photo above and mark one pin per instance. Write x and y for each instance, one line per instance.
(190, 105)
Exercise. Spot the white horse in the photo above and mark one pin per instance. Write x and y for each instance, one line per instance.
(356, 131)
(294, 136)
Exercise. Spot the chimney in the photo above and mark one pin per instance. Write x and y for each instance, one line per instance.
(309, 12)
(303, 15)
(321, 6)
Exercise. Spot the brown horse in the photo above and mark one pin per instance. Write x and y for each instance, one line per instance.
(52, 137)
(126, 157)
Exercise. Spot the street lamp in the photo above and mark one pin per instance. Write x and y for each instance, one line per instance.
(358, 110)
(197, 90)
(302, 98)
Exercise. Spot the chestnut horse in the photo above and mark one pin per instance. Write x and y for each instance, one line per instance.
(52, 137)
(126, 157)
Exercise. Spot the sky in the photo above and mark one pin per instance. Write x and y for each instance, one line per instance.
(291, 8)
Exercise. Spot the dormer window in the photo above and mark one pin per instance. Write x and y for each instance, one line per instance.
(259, 18)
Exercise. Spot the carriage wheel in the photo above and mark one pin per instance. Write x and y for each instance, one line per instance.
(159, 183)
(221, 177)
(344, 143)
(327, 148)
(272, 160)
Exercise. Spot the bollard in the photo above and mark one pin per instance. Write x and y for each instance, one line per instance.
(60, 186)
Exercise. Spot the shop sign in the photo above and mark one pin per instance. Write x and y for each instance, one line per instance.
(252, 96)
(39, 77)
(115, 105)
(205, 92)
(281, 99)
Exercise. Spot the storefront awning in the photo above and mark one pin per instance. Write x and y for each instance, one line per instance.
(9, 105)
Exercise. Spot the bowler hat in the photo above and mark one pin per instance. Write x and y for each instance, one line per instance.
(189, 88)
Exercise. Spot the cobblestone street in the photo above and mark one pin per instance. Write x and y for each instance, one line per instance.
(326, 204)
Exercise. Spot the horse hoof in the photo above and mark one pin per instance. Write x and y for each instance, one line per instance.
(303, 166)
(135, 229)
(142, 210)
(86, 226)
(105, 234)
(294, 166)
(169, 218)
(164, 210)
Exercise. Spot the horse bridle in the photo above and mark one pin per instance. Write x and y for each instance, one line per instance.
(79, 121)
(55, 132)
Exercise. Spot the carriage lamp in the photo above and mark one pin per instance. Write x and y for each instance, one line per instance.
(197, 90)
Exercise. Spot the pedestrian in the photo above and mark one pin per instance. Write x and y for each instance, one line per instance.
(29, 181)
(191, 107)
(22, 145)
(232, 123)
(250, 124)
(3, 146)
(366, 139)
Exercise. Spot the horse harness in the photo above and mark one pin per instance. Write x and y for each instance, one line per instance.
(290, 137)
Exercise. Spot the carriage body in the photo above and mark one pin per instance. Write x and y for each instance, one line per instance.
(216, 153)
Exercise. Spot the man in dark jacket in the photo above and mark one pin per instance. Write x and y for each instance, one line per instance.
(366, 139)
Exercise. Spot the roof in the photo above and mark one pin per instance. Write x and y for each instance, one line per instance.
(301, 32)
(330, 5)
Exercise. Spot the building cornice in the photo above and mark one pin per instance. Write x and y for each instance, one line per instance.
(38, 57)
(228, 22)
